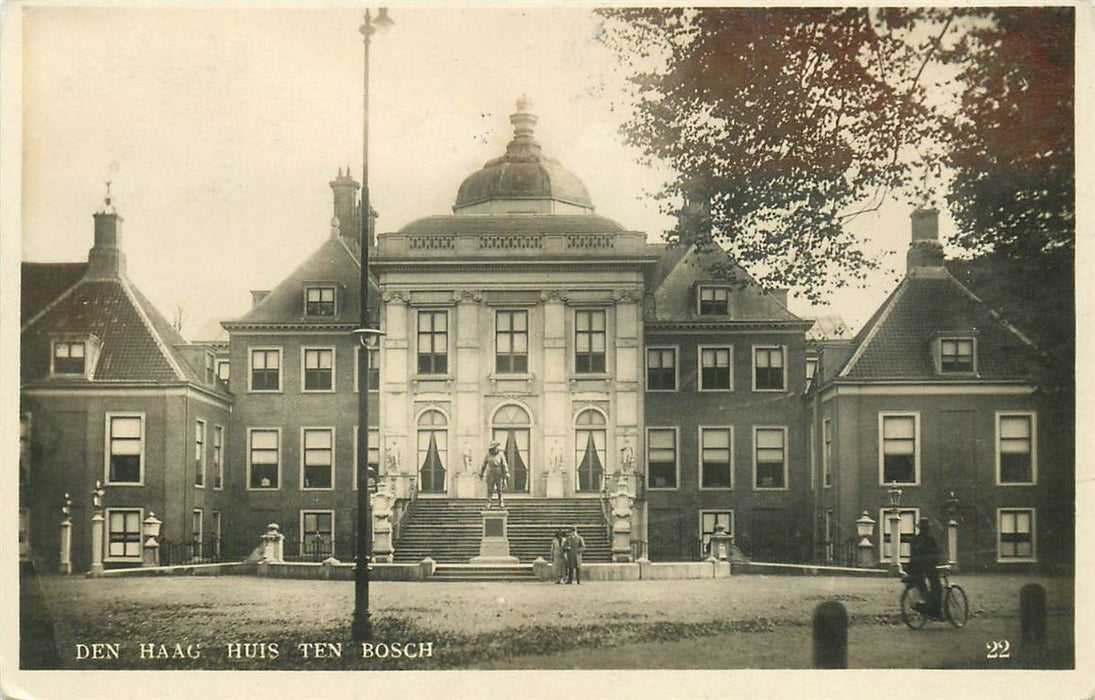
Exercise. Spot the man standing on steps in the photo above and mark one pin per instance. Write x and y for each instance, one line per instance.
(573, 548)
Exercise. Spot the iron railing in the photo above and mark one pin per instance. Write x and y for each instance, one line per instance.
(210, 551)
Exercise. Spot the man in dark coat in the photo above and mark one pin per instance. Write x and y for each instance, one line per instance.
(573, 547)
(923, 558)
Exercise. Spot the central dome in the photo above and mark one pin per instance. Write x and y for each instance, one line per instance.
(523, 181)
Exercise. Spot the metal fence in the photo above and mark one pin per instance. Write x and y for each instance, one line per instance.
(318, 549)
(210, 551)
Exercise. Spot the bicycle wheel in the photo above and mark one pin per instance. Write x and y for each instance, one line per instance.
(956, 606)
(913, 618)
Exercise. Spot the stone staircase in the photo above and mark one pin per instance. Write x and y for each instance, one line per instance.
(448, 531)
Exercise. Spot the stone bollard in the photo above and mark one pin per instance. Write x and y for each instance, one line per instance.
(426, 568)
(96, 544)
(1032, 616)
(66, 546)
(541, 568)
(326, 566)
(830, 635)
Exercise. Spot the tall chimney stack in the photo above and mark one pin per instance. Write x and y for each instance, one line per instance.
(345, 190)
(925, 254)
(105, 259)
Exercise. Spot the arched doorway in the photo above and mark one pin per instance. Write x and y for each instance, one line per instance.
(589, 450)
(433, 451)
(512, 428)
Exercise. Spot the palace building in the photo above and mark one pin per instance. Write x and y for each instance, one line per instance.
(602, 364)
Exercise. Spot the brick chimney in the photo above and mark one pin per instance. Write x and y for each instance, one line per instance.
(105, 260)
(345, 190)
(925, 255)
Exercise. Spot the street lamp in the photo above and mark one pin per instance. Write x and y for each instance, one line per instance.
(895, 529)
(361, 628)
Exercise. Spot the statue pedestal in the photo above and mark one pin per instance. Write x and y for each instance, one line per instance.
(554, 485)
(494, 547)
(467, 485)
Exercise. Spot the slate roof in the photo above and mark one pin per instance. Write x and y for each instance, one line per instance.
(334, 263)
(896, 343)
(44, 282)
(136, 340)
(682, 267)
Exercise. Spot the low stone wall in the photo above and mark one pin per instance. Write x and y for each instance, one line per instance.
(654, 571)
(751, 567)
(610, 572)
(219, 569)
(340, 571)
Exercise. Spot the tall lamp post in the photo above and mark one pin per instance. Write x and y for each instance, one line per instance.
(361, 628)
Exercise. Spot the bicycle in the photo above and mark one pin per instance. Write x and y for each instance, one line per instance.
(956, 607)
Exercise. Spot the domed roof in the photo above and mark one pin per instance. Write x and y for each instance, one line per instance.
(523, 173)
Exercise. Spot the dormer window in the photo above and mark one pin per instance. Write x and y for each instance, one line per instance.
(714, 301)
(73, 357)
(319, 301)
(956, 355)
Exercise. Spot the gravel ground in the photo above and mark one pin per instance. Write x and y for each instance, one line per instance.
(741, 622)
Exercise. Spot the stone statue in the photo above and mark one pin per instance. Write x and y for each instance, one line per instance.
(496, 471)
(627, 457)
(393, 457)
(555, 460)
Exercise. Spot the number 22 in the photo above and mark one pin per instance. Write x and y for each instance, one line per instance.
(998, 649)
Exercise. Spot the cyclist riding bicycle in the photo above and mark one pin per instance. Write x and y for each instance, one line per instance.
(923, 558)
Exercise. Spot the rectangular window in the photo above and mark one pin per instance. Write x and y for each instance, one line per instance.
(1015, 528)
(433, 342)
(714, 301)
(199, 453)
(125, 448)
(709, 519)
(374, 368)
(217, 534)
(661, 458)
(956, 355)
(123, 533)
(374, 457)
(909, 518)
(661, 369)
(1015, 448)
(899, 451)
(511, 342)
(319, 301)
(770, 458)
(222, 370)
(768, 369)
(319, 369)
(827, 451)
(317, 458)
(715, 366)
(589, 341)
(716, 458)
(69, 357)
(265, 458)
(196, 534)
(266, 369)
(218, 456)
(317, 532)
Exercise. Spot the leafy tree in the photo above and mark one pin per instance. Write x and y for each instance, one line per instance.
(783, 123)
(1012, 153)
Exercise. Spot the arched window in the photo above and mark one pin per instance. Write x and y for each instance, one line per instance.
(433, 450)
(512, 428)
(589, 449)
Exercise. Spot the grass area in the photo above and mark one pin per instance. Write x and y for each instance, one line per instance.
(741, 622)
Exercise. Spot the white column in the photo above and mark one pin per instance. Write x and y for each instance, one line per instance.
(895, 542)
(96, 544)
(66, 546)
(952, 544)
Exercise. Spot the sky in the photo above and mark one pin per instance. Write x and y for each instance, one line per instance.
(221, 126)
